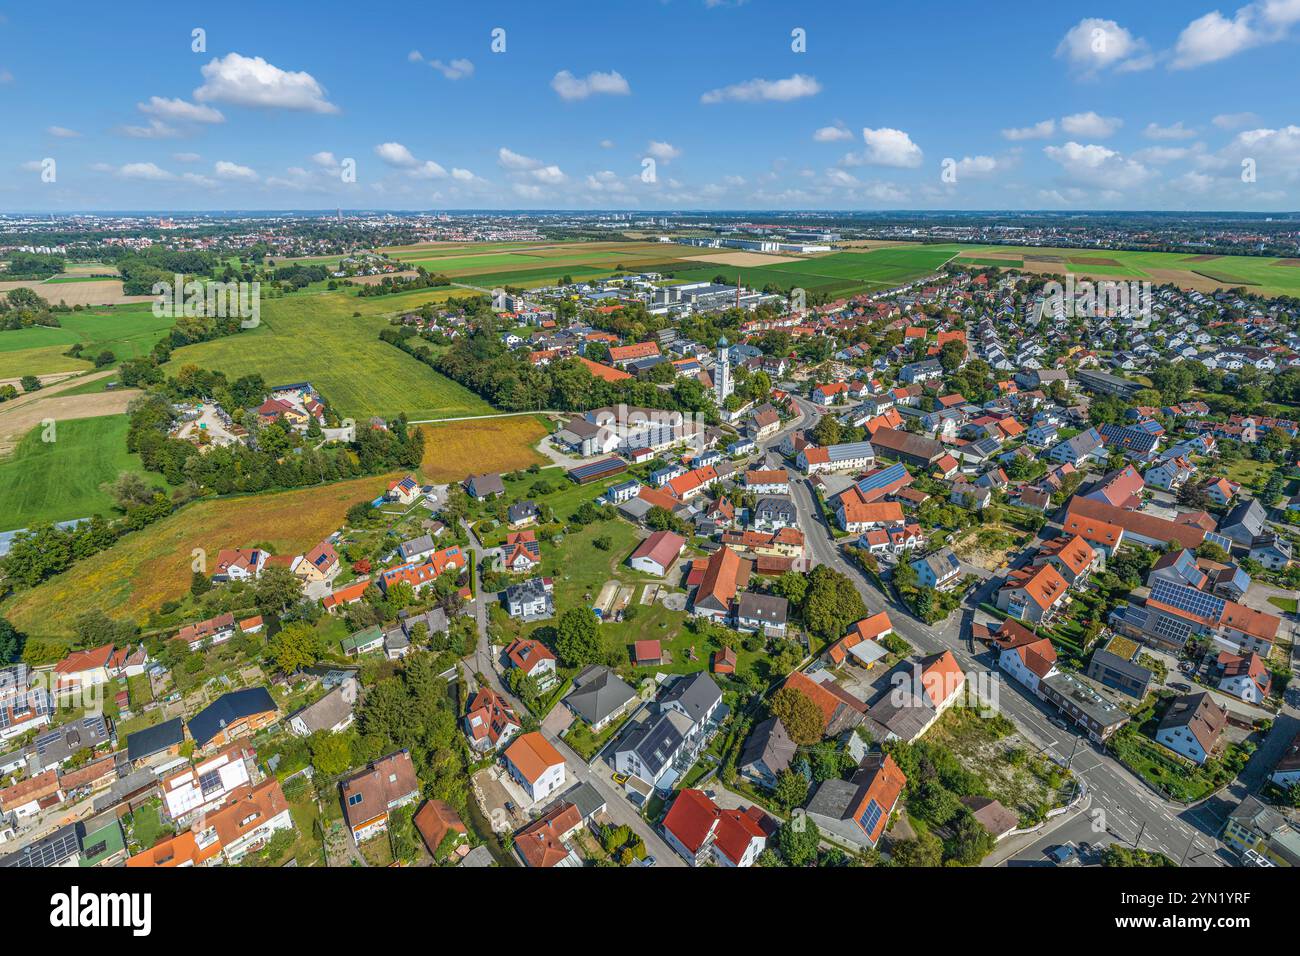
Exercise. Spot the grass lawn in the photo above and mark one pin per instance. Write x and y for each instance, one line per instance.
(146, 825)
(60, 480)
(315, 337)
(582, 740)
(1247, 471)
(152, 565)
(40, 360)
(456, 450)
(1289, 605)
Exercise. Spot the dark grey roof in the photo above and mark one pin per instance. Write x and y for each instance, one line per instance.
(695, 694)
(597, 693)
(327, 712)
(54, 850)
(771, 744)
(416, 546)
(152, 740)
(227, 709)
(767, 608)
(655, 741)
(1115, 663)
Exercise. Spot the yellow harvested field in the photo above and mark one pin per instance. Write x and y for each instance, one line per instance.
(107, 292)
(747, 259)
(375, 280)
(153, 565)
(456, 450)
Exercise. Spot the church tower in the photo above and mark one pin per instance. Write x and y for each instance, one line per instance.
(722, 383)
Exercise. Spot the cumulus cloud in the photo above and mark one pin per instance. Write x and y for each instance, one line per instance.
(512, 160)
(664, 152)
(156, 129)
(395, 154)
(840, 177)
(233, 172)
(1215, 37)
(890, 147)
(1232, 121)
(833, 134)
(324, 159)
(756, 90)
(1176, 131)
(186, 157)
(1042, 130)
(1093, 45)
(570, 87)
(146, 171)
(457, 69)
(180, 111)
(1090, 125)
(251, 81)
(1097, 166)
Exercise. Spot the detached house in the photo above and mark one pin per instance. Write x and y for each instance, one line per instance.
(490, 722)
(534, 659)
(1193, 726)
(371, 795)
(858, 809)
(702, 833)
(535, 765)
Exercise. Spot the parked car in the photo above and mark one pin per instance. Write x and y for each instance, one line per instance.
(1181, 687)
(1063, 854)
(649, 861)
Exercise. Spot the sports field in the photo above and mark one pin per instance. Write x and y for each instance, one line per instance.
(456, 450)
(150, 566)
(315, 337)
(1261, 275)
(59, 480)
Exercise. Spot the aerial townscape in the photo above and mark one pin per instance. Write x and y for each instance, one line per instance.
(399, 515)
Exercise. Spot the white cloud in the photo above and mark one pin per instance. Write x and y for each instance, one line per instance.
(838, 177)
(1160, 155)
(429, 170)
(198, 179)
(61, 132)
(760, 90)
(551, 175)
(833, 134)
(186, 157)
(147, 171)
(890, 147)
(1176, 131)
(570, 87)
(1042, 130)
(606, 144)
(463, 175)
(979, 167)
(415, 56)
(1231, 121)
(1214, 37)
(180, 111)
(512, 160)
(885, 192)
(395, 154)
(664, 152)
(1093, 45)
(233, 172)
(1090, 125)
(457, 69)
(1097, 166)
(156, 129)
(251, 81)
(324, 159)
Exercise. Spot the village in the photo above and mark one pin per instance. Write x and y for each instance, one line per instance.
(938, 570)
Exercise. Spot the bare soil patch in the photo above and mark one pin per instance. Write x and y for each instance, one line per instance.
(743, 259)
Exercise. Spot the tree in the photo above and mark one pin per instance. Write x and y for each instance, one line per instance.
(296, 646)
(797, 841)
(926, 850)
(11, 642)
(278, 588)
(791, 789)
(802, 719)
(577, 640)
(793, 587)
(199, 583)
(971, 842)
(331, 754)
(832, 603)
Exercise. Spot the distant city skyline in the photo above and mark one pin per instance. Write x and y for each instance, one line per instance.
(679, 105)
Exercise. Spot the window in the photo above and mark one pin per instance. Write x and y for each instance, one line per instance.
(354, 799)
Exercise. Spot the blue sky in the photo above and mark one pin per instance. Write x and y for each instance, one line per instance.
(1035, 105)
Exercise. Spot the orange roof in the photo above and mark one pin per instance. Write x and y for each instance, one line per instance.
(826, 702)
(1137, 522)
(640, 350)
(607, 372)
(877, 512)
(1046, 586)
(647, 651)
(1075, 553)
(1102, 532)
(540, 842)
(942, 677)
(79, 661)
(886, 784)
(532, 755)
(720, 577)
(346, 595)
